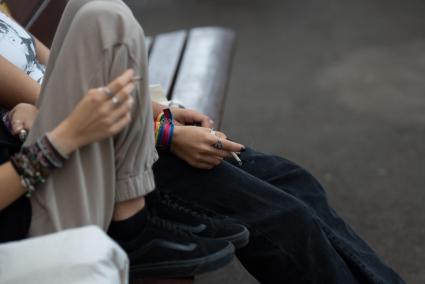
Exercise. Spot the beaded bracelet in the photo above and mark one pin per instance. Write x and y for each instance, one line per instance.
(34, 163)
(164, 129)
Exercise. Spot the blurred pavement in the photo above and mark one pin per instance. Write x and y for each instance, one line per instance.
(339, 87)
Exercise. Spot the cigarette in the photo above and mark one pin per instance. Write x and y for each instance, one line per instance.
(236, 158)
(137, 78)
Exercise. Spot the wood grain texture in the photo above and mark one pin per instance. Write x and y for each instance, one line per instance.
(205, 69)
(165, 58)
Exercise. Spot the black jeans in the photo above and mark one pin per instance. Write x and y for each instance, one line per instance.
(295, 236)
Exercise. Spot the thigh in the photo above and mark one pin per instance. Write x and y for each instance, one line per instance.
(286, 239)
(226, 189)
(288, 177)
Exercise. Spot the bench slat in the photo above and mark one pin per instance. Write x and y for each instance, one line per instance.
(164, 59)
(203, 75)
(148, 43)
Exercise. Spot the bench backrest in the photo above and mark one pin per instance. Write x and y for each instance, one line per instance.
(192, 66)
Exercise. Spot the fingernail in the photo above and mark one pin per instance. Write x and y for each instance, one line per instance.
(211, 121)
(243, 149)
(130, 101)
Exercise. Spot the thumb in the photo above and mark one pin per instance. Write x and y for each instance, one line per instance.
(17, 126)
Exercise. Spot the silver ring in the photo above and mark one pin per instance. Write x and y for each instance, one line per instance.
(106, 91)
(218, 144)
(23, 134)
(115, 101)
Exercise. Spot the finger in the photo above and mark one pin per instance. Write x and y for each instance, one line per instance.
(124, 94)
(232, 146)
(120, 124)
(17, 125)
(203, 166)
(123, 109)
(211, 160)
(207, 122)
(220, 134)
(121, 81)
(212, 151)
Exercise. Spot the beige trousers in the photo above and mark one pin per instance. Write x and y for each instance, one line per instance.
(84, 256)
(95, 42)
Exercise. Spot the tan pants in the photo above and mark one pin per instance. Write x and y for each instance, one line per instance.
(95, 42)
(84, 256)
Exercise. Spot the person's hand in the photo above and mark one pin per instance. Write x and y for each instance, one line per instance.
(22, 117)
(195, 145)
(97, 116)
(191, 117)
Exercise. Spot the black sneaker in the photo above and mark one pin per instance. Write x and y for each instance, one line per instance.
(200, 222)
(164, 250)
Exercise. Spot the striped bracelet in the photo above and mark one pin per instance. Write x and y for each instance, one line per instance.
(164, 129)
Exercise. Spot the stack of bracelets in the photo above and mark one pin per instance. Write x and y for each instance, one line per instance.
(164, 129)
(35, 162)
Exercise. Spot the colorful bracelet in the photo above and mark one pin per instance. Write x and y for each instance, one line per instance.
(164, 129)
(34, 163)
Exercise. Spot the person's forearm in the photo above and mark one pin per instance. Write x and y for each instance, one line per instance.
(43, 52)
(16, 86)
(10, 187)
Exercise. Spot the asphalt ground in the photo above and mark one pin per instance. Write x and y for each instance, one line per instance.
(337, 86)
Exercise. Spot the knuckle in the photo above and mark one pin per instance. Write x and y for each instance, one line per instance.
(120, 84)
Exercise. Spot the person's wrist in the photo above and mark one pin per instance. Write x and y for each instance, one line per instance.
(65, 139)
(157, 109)
(176, 137)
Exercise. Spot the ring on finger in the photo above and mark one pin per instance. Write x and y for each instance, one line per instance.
(212, 131)
(218, 144)
(106, 91)
(115, 101)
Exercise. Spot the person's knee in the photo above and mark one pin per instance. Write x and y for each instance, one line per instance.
(104, 16)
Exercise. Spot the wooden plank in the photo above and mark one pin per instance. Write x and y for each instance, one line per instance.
(148, 44)
(203, 75)
(44, 23)
(165, 58)
(22, 10)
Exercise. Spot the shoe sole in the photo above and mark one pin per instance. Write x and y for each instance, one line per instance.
(239, 240)
(185, 268)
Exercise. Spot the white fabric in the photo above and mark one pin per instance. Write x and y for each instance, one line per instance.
(84, 256)
(18, 46)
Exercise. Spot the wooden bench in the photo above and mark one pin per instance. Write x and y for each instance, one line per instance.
(192, 66)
